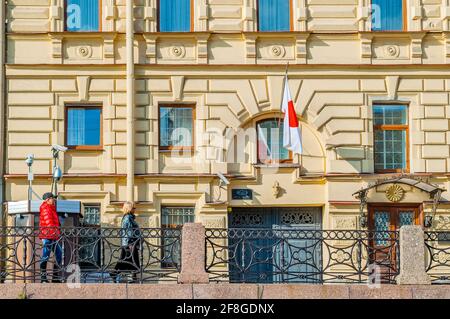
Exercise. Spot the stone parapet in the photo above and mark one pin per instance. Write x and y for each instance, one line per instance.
(221, 291)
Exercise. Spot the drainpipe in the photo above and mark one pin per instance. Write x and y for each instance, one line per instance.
(130, 99)
(2, 104)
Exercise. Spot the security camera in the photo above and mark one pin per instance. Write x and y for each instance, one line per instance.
(59, 148)
(223, 179)
(30, 159)
(57, 173)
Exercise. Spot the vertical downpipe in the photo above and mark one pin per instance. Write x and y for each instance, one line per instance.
(2, 104)
(130, 99)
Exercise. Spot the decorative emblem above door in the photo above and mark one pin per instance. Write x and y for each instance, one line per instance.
(395, 193)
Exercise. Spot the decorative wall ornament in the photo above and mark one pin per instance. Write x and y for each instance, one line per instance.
(443, 223)
(277, 51)
(392, 51)
(214, 222)
(344, 222)
(395, 193)
(295, 217)
(84, 51)
(276, 190)
(178, 51)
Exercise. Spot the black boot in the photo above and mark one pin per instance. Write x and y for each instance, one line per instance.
(43, 272)
(57, 274)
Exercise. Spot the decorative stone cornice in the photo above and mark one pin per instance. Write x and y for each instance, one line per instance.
(366, 47)
(202, 47)
(150, 52)
(416, 47)
(301, 40)
(250, 48)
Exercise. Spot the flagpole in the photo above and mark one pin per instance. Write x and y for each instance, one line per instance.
(285, 77)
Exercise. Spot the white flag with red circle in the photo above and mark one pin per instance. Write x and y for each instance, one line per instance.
(291, 132)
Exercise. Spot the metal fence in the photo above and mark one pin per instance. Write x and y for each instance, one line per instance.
(302, 256)
(438, 256)
(90, 255)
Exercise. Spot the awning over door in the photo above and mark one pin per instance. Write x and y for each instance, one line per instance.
(434, 191)
(426, 187)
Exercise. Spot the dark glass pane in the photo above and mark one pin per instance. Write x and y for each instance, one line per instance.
(390, 150)
(390, 114)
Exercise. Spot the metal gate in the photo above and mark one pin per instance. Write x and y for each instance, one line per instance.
(262, 255)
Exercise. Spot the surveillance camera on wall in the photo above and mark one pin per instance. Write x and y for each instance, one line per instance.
(59, 148)
(30, 159)
(223, 178)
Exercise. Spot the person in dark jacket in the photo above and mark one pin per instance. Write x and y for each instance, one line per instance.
(49, 233)
(130, 244)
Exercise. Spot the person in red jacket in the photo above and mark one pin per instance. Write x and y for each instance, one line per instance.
(49, 233)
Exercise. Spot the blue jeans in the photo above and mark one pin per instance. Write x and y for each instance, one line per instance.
(50, 245)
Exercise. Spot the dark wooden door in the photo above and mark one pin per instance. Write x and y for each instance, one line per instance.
(383, 221)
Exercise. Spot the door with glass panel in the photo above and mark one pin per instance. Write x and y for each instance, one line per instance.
(383, 220)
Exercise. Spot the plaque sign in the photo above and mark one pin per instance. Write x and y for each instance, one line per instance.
(241, 193)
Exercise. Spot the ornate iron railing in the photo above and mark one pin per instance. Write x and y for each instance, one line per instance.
(437, 245)
(302, 256)
(91, 255)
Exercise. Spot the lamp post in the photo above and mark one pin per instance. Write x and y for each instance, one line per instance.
(56, 172)
(29, 161)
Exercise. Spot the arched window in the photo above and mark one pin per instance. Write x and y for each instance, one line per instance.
(270, 142)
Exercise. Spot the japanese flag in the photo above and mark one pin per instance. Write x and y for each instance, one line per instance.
(291, 132)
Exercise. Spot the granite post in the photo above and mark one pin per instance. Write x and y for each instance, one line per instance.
(412, 257)
(193, 255)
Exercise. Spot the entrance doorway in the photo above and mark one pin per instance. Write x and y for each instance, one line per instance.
(263, 254)
(383, 221)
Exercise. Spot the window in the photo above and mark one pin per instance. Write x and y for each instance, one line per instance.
(83, 15)
(274, 15)
(91, 215)
(390, 138)
(83, 127)
(388, 15)
(90, 240)
(173, 217)
(270, 142)
(175, 15)
(176, 127)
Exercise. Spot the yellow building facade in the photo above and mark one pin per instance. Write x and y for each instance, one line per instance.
(231, 75)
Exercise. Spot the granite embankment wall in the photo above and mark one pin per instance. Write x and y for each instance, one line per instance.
(221, 291)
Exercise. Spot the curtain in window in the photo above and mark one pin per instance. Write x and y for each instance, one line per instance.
(83, 127)
(76, 127)
(175, 15)
(82, 15)
(274, 15)
(270, 141)
(176, 126)
(387, 15)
